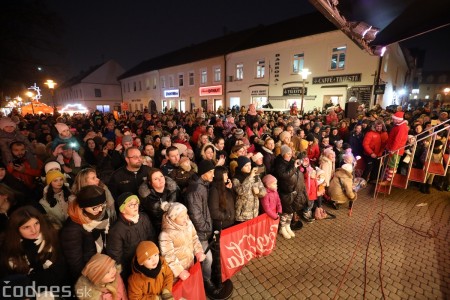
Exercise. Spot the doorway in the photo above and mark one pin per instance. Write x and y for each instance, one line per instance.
(152, 105)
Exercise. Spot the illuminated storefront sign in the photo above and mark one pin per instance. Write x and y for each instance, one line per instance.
(337, 79)
(172, 93)
(214, 90)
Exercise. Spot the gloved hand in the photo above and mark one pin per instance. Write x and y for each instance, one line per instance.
(184, 275)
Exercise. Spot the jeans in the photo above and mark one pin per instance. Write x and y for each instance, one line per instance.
(207, 263)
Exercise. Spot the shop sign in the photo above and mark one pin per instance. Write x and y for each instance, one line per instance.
(214, 90)
(172, 93)
(379, 89)
(294, 91)
(259, 92)
(337, 79)
(124, 106)
(276, 68)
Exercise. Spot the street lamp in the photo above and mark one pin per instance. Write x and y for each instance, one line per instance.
(304, 73)
(30, 97)
(51, 85)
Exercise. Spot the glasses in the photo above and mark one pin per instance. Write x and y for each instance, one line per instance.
(135, 157)
(97, 207)
(133, 205)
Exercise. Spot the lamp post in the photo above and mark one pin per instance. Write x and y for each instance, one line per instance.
(304, 73)
(51, 85)
(30, 97)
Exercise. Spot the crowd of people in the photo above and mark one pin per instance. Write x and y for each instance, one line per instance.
(124, 207)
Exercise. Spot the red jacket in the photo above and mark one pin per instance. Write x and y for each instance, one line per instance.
(311, 187)
(28, 176)
(271, 203)
(398, 138)
(313, 152)
(331, 118)
(374, 142)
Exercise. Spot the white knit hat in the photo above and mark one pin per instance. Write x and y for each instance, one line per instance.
(51, 165)
(61, 127)
(347, 167)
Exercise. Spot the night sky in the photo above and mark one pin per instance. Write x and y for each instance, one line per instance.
(135, 30)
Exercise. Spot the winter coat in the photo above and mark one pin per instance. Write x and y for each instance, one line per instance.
(374, 142)
(123, 180)
(181, 177)
(86, 290)
(198, 210)
(124, 237)
(398, 136)
(311, 187)
(291, 185)
(58, 213)
(327, 166)
(178, 245)
(141, 286)
(78, 241)
(313, 152)
(222, 217)
(271, 203)
(6, 139)
(356, 143)
(341, 187)
(247, 203)
(151, 201)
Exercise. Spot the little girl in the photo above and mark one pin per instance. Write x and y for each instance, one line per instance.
(65, 137)
(271, 203)
(152, 278)
(55, 198)
(311, 190)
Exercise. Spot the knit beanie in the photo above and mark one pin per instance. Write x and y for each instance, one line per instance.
(173, 209)
(97, 267)
(90, 196)
(268, 180)
(127, 139)
(52, 175)
(51, 165)
(285, 149)
(181, 147)
(61, 127)
(205, 166)
(124, 198)
(145, 250)
(257, 156)
(242, 161)
(6, 122)
(347, 167)
(398, 116)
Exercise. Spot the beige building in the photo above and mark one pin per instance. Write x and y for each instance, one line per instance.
(98, 88)
(264, 65)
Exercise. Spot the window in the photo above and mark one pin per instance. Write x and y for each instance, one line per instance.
(217, 74)
(98, 93)
(191, 78)
(163, 82)
(260, 68)
(128, 87)
(338, 58)
(154, 83)
(203, 76)
(180, 79)
(171, 81)
(298, 63)
(134, 86)
(147, 84)
(239, 71)
(140, 85)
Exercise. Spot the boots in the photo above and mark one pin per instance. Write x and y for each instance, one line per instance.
(422, 188)
(427, 188)
(289, 231)
(350, 204)
(284, 232)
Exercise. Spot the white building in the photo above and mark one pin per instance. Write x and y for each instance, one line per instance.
(98, 88)
(264, 64)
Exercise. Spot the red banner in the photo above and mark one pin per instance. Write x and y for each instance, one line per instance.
(191, 288)
(241, 243)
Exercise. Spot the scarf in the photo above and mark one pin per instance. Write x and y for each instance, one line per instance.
(152, 273)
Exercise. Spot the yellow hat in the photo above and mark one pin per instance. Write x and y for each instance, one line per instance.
(52, 175)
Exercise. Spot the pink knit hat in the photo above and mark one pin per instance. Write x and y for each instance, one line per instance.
(61, 127)
(268, 180)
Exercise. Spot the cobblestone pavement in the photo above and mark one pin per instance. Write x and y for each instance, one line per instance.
(397, 246)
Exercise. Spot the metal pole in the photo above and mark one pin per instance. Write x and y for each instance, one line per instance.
(32, 105)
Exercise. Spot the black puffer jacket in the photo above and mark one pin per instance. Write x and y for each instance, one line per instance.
(198, 210)
(124, 237)
(291, 185)
(151, 201)
(123, 180)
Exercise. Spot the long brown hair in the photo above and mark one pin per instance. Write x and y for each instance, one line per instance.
(14, 258)
(220, 185)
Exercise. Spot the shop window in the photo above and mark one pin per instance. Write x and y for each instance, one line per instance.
(298, 61)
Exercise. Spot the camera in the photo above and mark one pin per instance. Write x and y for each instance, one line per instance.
(17, 161)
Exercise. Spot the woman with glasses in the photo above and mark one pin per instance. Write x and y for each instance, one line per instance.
(131, 228)
(88, 176)
(85, 231)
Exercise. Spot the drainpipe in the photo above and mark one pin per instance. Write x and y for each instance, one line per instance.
(225, 83)
(377, 79)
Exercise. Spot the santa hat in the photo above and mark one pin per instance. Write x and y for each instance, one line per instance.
(398, 116)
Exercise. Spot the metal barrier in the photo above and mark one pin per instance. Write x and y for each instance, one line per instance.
(414, 174)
